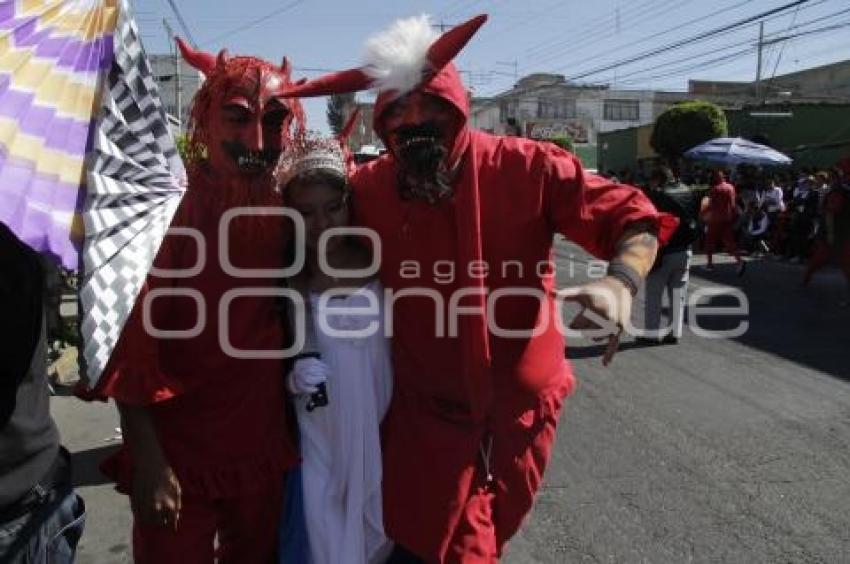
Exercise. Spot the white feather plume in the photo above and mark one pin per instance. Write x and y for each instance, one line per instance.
(396, 58)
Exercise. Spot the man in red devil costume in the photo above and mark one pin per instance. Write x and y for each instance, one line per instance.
(473, 416)
(206, 444)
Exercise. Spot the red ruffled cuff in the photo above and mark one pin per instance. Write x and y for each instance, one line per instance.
(132, 387)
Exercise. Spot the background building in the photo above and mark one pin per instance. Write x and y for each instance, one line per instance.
(824, 83)
(176, 93)
(543, 106)
(363, 134)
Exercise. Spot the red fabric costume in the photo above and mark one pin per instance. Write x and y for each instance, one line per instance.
(220, 419)
(528, 191)
(452, 395)
(721, 220)
(835, 243)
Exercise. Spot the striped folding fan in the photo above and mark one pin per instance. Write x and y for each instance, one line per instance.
(86, 158)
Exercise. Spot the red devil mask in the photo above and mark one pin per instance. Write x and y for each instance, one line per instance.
(240, 116)
(422, 107)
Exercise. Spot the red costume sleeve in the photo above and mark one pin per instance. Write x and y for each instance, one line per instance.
(592, 211)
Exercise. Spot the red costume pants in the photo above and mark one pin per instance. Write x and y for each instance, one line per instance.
(245, 528)
(724, 232)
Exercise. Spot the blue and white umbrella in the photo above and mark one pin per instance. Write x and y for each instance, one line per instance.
(734, 151)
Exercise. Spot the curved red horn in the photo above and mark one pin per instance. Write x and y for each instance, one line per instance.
(352, 80)
(448, 45)
(200, 60)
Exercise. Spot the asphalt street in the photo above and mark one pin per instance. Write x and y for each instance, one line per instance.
(713, 450)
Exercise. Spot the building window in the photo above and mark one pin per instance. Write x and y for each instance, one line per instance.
(621, 110)
(556, 108)
(507, 110)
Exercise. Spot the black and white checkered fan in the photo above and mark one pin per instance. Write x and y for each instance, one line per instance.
(135, 182)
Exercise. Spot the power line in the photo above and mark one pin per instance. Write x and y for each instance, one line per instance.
(459, 8)
(523, 93)
(590, 30)
(254, 23)
(782, 48)
(524, 20)
(683, 42)
(723, 59)
(672, 29)
(770, 39)
(592, 37)
(716, 13)
(182, 23)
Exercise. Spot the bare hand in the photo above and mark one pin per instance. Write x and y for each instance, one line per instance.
(156, 494)
(605, 306)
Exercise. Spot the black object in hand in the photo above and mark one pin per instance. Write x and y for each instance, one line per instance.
(319, 398)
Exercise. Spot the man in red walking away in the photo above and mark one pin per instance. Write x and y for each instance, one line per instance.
(720, 216)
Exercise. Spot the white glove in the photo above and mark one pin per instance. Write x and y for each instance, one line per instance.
(306, 375)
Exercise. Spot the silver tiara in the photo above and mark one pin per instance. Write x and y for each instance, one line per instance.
(308, 154)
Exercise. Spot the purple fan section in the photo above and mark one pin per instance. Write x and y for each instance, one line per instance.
(25, 208)
(61, 133)
(29, 199)
(69, 53)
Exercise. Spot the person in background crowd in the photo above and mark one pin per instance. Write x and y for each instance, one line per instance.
(41, 518)
(804, 211)
(833, 241)
(670, 273)
(774, 199)
(719, 215)
(756, 227)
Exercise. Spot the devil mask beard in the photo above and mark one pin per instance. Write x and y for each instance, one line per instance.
(423, 170)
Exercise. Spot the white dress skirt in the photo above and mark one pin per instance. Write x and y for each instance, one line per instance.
(340, 442)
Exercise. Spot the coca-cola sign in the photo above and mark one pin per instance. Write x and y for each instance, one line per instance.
(551, 130)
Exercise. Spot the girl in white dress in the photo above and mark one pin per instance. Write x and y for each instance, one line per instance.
(347, 357)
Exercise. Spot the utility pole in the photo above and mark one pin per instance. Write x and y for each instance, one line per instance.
(513, 64)
(758, 64)
(442, 26)
(178, 91)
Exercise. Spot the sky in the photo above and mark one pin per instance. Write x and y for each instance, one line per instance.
(588, 42)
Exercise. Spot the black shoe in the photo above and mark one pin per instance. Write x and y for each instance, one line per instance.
(742, 268)
(670, 340)
(647, 341)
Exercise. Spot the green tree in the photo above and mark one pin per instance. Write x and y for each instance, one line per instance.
(182, 142)
(337, 112)
(188, 153)
(564, 141)
(686, 125)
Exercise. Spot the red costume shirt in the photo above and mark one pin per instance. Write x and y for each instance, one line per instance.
(219, 418)
(511, 197)
(721, 203)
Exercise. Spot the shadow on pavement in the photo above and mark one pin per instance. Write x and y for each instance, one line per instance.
(806, 326)
(597, 350)
(86, 465)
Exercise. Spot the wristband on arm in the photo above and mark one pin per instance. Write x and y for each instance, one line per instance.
(630, 277)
